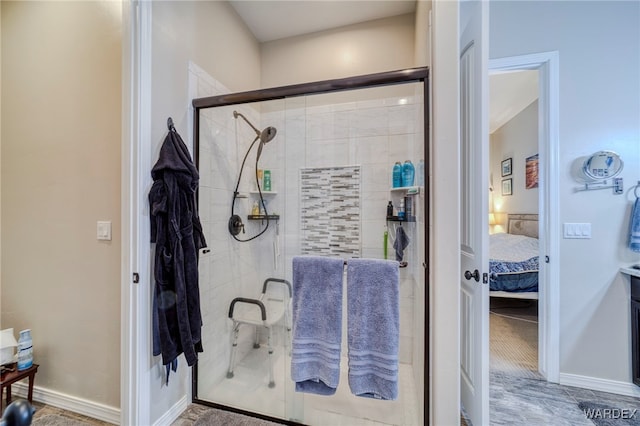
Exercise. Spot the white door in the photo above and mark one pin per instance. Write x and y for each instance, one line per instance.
(474, 211)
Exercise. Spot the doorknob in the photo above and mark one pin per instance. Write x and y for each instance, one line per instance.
(476, 275)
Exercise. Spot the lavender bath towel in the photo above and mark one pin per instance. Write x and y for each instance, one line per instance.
(373, 326)
(317, 323)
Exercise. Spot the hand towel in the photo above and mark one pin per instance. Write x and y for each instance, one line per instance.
(373, 327)
(634, 237)
(401, 243)
(317, 323)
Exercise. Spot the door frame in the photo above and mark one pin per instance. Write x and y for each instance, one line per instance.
(547, 65)
(135, 315)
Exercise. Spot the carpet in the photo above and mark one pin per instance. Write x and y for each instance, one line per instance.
(513, 346)
(515, 308)
(607, 415)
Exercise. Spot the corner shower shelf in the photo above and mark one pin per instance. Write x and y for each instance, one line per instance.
(410, 190)
(263, 217)
(399, 219)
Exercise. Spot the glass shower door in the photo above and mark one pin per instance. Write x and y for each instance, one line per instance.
(245, 295)
(330, 165)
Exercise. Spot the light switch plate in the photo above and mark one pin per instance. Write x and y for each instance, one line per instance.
(577, 230)
(104, 230)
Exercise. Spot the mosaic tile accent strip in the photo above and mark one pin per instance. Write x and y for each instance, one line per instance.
(330, 211)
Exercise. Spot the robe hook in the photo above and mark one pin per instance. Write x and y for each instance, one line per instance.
(170, 125)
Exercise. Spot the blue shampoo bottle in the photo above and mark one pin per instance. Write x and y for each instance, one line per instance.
(397, 175)
(408, 173)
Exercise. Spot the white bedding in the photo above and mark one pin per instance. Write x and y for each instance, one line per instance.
(512, 248)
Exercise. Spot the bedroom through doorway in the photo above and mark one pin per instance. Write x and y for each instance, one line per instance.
(514, 214)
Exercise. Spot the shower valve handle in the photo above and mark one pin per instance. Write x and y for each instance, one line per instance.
(235, 225)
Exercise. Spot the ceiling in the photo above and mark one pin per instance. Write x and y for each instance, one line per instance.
(275, 19)
(509, 94)
(270, 20)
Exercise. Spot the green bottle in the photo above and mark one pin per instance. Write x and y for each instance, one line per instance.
(267, 180)
(385, 243)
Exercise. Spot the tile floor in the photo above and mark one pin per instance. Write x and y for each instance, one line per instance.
(525, 401)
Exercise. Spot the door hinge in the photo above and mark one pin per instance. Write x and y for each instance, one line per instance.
(485, 278)
(136, 278)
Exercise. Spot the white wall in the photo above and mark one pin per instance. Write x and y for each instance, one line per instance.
(599, 51)
(517, 139)
(374, 46)
(199, 32)
(61, 123)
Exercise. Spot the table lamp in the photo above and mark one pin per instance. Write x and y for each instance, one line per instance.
(7, 346)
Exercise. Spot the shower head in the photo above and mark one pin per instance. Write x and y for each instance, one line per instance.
(265, 136)
(268, 134)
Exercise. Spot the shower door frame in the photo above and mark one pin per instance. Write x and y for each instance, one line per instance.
(409, 75)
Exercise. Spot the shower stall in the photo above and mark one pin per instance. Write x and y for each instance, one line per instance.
(306, 169)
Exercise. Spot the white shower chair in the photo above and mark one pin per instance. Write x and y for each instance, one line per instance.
(265, 312)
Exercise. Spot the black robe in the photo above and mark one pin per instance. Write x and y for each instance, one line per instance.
(177, 232)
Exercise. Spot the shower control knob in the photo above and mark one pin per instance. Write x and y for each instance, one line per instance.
(235, 225)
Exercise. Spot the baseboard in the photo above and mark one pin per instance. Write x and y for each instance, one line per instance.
(72, 403)
(603, 385)
(174, 412)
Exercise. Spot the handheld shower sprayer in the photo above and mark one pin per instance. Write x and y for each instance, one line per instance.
(265, 136)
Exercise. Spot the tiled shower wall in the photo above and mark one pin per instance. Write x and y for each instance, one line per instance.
(330, 211)
(372, 133)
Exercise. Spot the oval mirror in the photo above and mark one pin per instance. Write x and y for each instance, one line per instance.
(602, 165)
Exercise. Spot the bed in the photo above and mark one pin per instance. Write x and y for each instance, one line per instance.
(514, 259)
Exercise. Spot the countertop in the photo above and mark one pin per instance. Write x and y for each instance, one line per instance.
(630, 271)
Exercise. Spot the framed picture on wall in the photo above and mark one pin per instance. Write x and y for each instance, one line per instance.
(531, 172)
(507, 187)
(506, 167)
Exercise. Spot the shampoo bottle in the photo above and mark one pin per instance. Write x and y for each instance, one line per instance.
(267, 180)
(408, 173)
(397, 175)
(408, 207)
